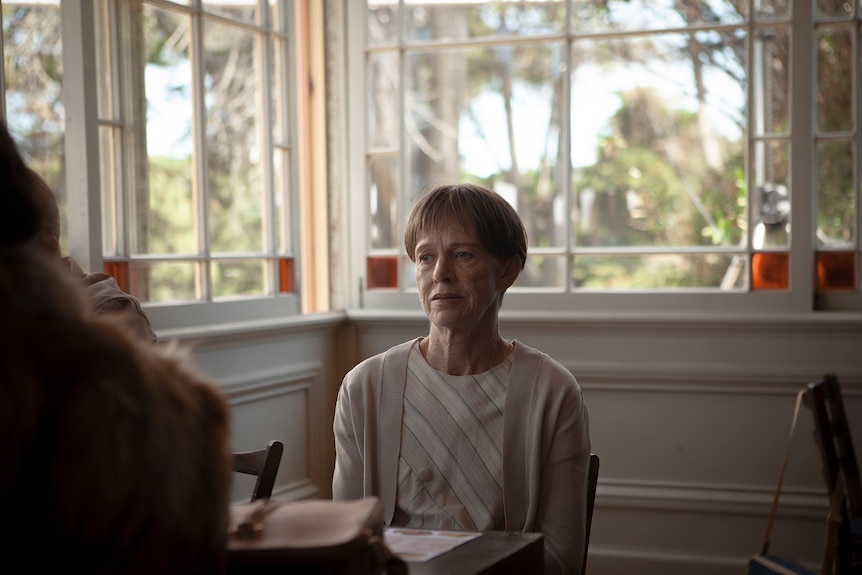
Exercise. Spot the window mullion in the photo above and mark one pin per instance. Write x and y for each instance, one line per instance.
(77, 22)
(200, 181)
(803, 83)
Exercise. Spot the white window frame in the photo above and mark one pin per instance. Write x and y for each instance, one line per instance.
(798, 299)
(84, 195)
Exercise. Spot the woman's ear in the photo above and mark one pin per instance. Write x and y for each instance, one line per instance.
(46, 243)
(510, 272)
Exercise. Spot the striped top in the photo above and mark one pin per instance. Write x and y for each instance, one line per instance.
(450, 466)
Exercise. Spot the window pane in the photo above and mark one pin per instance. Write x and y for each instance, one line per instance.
(231, 85)
(457, 21)
(164, 210)
(110, 184)
(33, 67)
(834, 8)
(836, 200)
(657, 141)
(836, 271)
(237, 10)
(543, 271)
(383, 208)
(772, 9)
(382, 23)
(165, 281)
(490, 115)
(770, 271)
(659, 271)
(771, 197)
(771, 77)
(239, 278)
(835, 80)
(383, 106)
(612, 15)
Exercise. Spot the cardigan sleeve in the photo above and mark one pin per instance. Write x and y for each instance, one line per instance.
(347, 480)
(560, 500)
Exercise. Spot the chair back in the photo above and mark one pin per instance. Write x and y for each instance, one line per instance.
(263, 463)
(833, 438)
(592, 481)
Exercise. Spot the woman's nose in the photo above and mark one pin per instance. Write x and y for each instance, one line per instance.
(442, 269)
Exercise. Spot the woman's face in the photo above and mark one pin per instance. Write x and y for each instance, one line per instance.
(459, 281)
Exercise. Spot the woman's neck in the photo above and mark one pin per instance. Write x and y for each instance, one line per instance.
(463, 354)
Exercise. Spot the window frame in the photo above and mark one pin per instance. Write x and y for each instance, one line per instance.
(800, 297)
(83, 165)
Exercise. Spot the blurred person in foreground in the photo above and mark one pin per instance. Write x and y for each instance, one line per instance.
(463, 429)
(114, 454)
(103, 291)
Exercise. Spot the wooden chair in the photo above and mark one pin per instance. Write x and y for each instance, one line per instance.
(832, 436)
(262, 463)
(592, 481)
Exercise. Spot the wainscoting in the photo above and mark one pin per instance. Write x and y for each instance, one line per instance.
(690, 416)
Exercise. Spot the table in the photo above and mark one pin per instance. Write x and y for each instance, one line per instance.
(493, 552)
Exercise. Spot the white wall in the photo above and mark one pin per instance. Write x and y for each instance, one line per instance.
(689, 416)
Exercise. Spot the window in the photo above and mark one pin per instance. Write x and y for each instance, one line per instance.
(661, 154)
(193, 138)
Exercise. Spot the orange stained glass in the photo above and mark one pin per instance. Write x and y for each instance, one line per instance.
(119, 270)
(286, 276)
(770, 270)
(382, 272)
(836, 271)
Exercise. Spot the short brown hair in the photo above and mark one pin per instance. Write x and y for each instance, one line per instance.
(498, 225)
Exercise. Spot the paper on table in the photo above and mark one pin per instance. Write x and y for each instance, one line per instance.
(419, 545)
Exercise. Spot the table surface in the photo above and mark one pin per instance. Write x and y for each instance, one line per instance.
(491, 553)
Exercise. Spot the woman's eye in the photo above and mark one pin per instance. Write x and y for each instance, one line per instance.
(423, 258)
(462, 255)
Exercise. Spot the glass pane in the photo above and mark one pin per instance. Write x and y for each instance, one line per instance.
(382, 272)
(281, 183)
(827, 9)
(231, 85)
(382, 23)
(835, 80)
(383, 208)
(110, 182)
(659, 271)
(543, 272)
(286, 275)
(611, 15)
(164, 209)
(771, 81)
(104, 62)
(490, 115)
(770, 271)
(836, 200)
(771, 197)
(480, 19)
(836, 271)
(772, 9)
(280, 90)
(383, 104)
(165, 281)
(658, 147)
(239, 278)
(33, 67)
(239, 10)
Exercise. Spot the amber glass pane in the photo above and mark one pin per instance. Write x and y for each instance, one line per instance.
(382, 272)
(836, 271)
(120, 272)
(286, 283)
(770, 271)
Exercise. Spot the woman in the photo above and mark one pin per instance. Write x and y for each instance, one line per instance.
(463, 429)
(115, 453)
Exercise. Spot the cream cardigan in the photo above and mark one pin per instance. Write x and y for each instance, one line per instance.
(546, 446)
